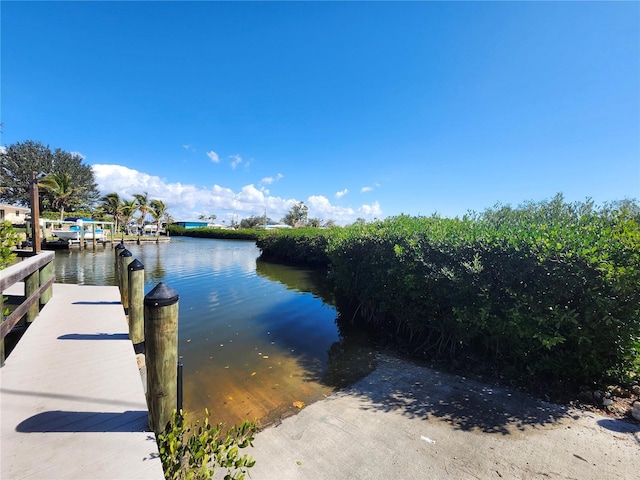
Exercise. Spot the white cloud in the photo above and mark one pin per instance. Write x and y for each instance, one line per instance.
(373, 210)
(213, 156)
(78, 154)
(187, 147)
(342, 193)
(3, 149)
(187, 202)
(320, 207)
(270, 180)
(366, 189)
(237, 160)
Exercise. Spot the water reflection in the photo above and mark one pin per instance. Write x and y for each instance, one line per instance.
(254, 337)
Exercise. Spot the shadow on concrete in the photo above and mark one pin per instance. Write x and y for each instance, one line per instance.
(621, 426)
(66, 421)
(415, 391)
(94, 336)
(96, 303)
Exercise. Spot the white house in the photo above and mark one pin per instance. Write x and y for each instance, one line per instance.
(13, 214)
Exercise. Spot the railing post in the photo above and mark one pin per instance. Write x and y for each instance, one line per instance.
(161, 346)
(136, 305)
(118, 249)
(31, 284)
(125, 259)
(46, 272)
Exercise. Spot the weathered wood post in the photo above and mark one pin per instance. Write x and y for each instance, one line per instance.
(118, 248)
(46, 272)
(93, 233)
(161, 346)
(136, 305)
(31, 285)
(125, 259)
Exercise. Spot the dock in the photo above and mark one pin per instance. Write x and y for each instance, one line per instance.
(72, 400)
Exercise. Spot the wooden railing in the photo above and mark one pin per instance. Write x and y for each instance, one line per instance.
(37, 273)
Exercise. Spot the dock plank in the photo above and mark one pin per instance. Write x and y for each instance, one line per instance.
(71, 398)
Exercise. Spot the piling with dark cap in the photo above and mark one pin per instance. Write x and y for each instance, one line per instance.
(118, 249)
(136, 304)
(161, 350)
(125, 258)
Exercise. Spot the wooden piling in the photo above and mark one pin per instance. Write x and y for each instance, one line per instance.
(161, 347)
(118, 249)
(31, 285)
(136, 304)
(46, 272)
(125, 259)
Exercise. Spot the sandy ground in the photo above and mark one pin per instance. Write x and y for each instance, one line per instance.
(409, 421)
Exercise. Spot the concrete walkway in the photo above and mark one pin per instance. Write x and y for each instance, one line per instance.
(71, 397)
(406, 421)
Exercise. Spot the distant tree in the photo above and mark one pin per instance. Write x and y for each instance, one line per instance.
(297, 216)
(112, 205)
(62, 192)
(314, 222)
(129, 209)
(22, 158)
(159, 213)
(254, 221)
(144, 207)
(330, 223)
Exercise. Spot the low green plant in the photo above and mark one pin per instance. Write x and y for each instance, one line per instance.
(194, 451)
(8, 240)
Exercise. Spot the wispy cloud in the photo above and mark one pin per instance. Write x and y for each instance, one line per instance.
(187, 147)
(236, 160)
(270, 180)
(369, 188)
(342, 193)
(213, 156)
(78, 154)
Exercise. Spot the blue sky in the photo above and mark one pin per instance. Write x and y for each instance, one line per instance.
(359, 109)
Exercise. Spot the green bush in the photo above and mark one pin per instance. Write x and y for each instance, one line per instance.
(8, 240)
(548, 289)
(298, 246)
(192, 452)
(220, 233)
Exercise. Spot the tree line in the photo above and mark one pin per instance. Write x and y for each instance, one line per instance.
(68, 185)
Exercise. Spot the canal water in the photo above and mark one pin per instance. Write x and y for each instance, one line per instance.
(257, 340)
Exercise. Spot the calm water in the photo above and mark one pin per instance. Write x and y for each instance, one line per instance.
(254, 337)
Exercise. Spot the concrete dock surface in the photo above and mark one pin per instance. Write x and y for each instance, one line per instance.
(409, 421)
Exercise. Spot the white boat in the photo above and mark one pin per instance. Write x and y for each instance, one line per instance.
(81, 229)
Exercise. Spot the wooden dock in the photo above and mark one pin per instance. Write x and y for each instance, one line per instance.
(71, 397)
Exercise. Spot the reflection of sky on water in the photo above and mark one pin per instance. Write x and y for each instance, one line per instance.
(252, 331)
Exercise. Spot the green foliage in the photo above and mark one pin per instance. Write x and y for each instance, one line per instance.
(194, 451)
(22, 158)
(220, 233)
(297, 216)
(298, 246)
(548, 290)
(8, 240)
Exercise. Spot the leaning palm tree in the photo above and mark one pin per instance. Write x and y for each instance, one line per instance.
(142, 201)
(129, 209)
(112, 205)
(159, 213)
(63, 193)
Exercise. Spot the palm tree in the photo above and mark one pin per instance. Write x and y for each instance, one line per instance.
(112, 205)
(142, 202)
(129, 209)
(63, 193)
(159, 213)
